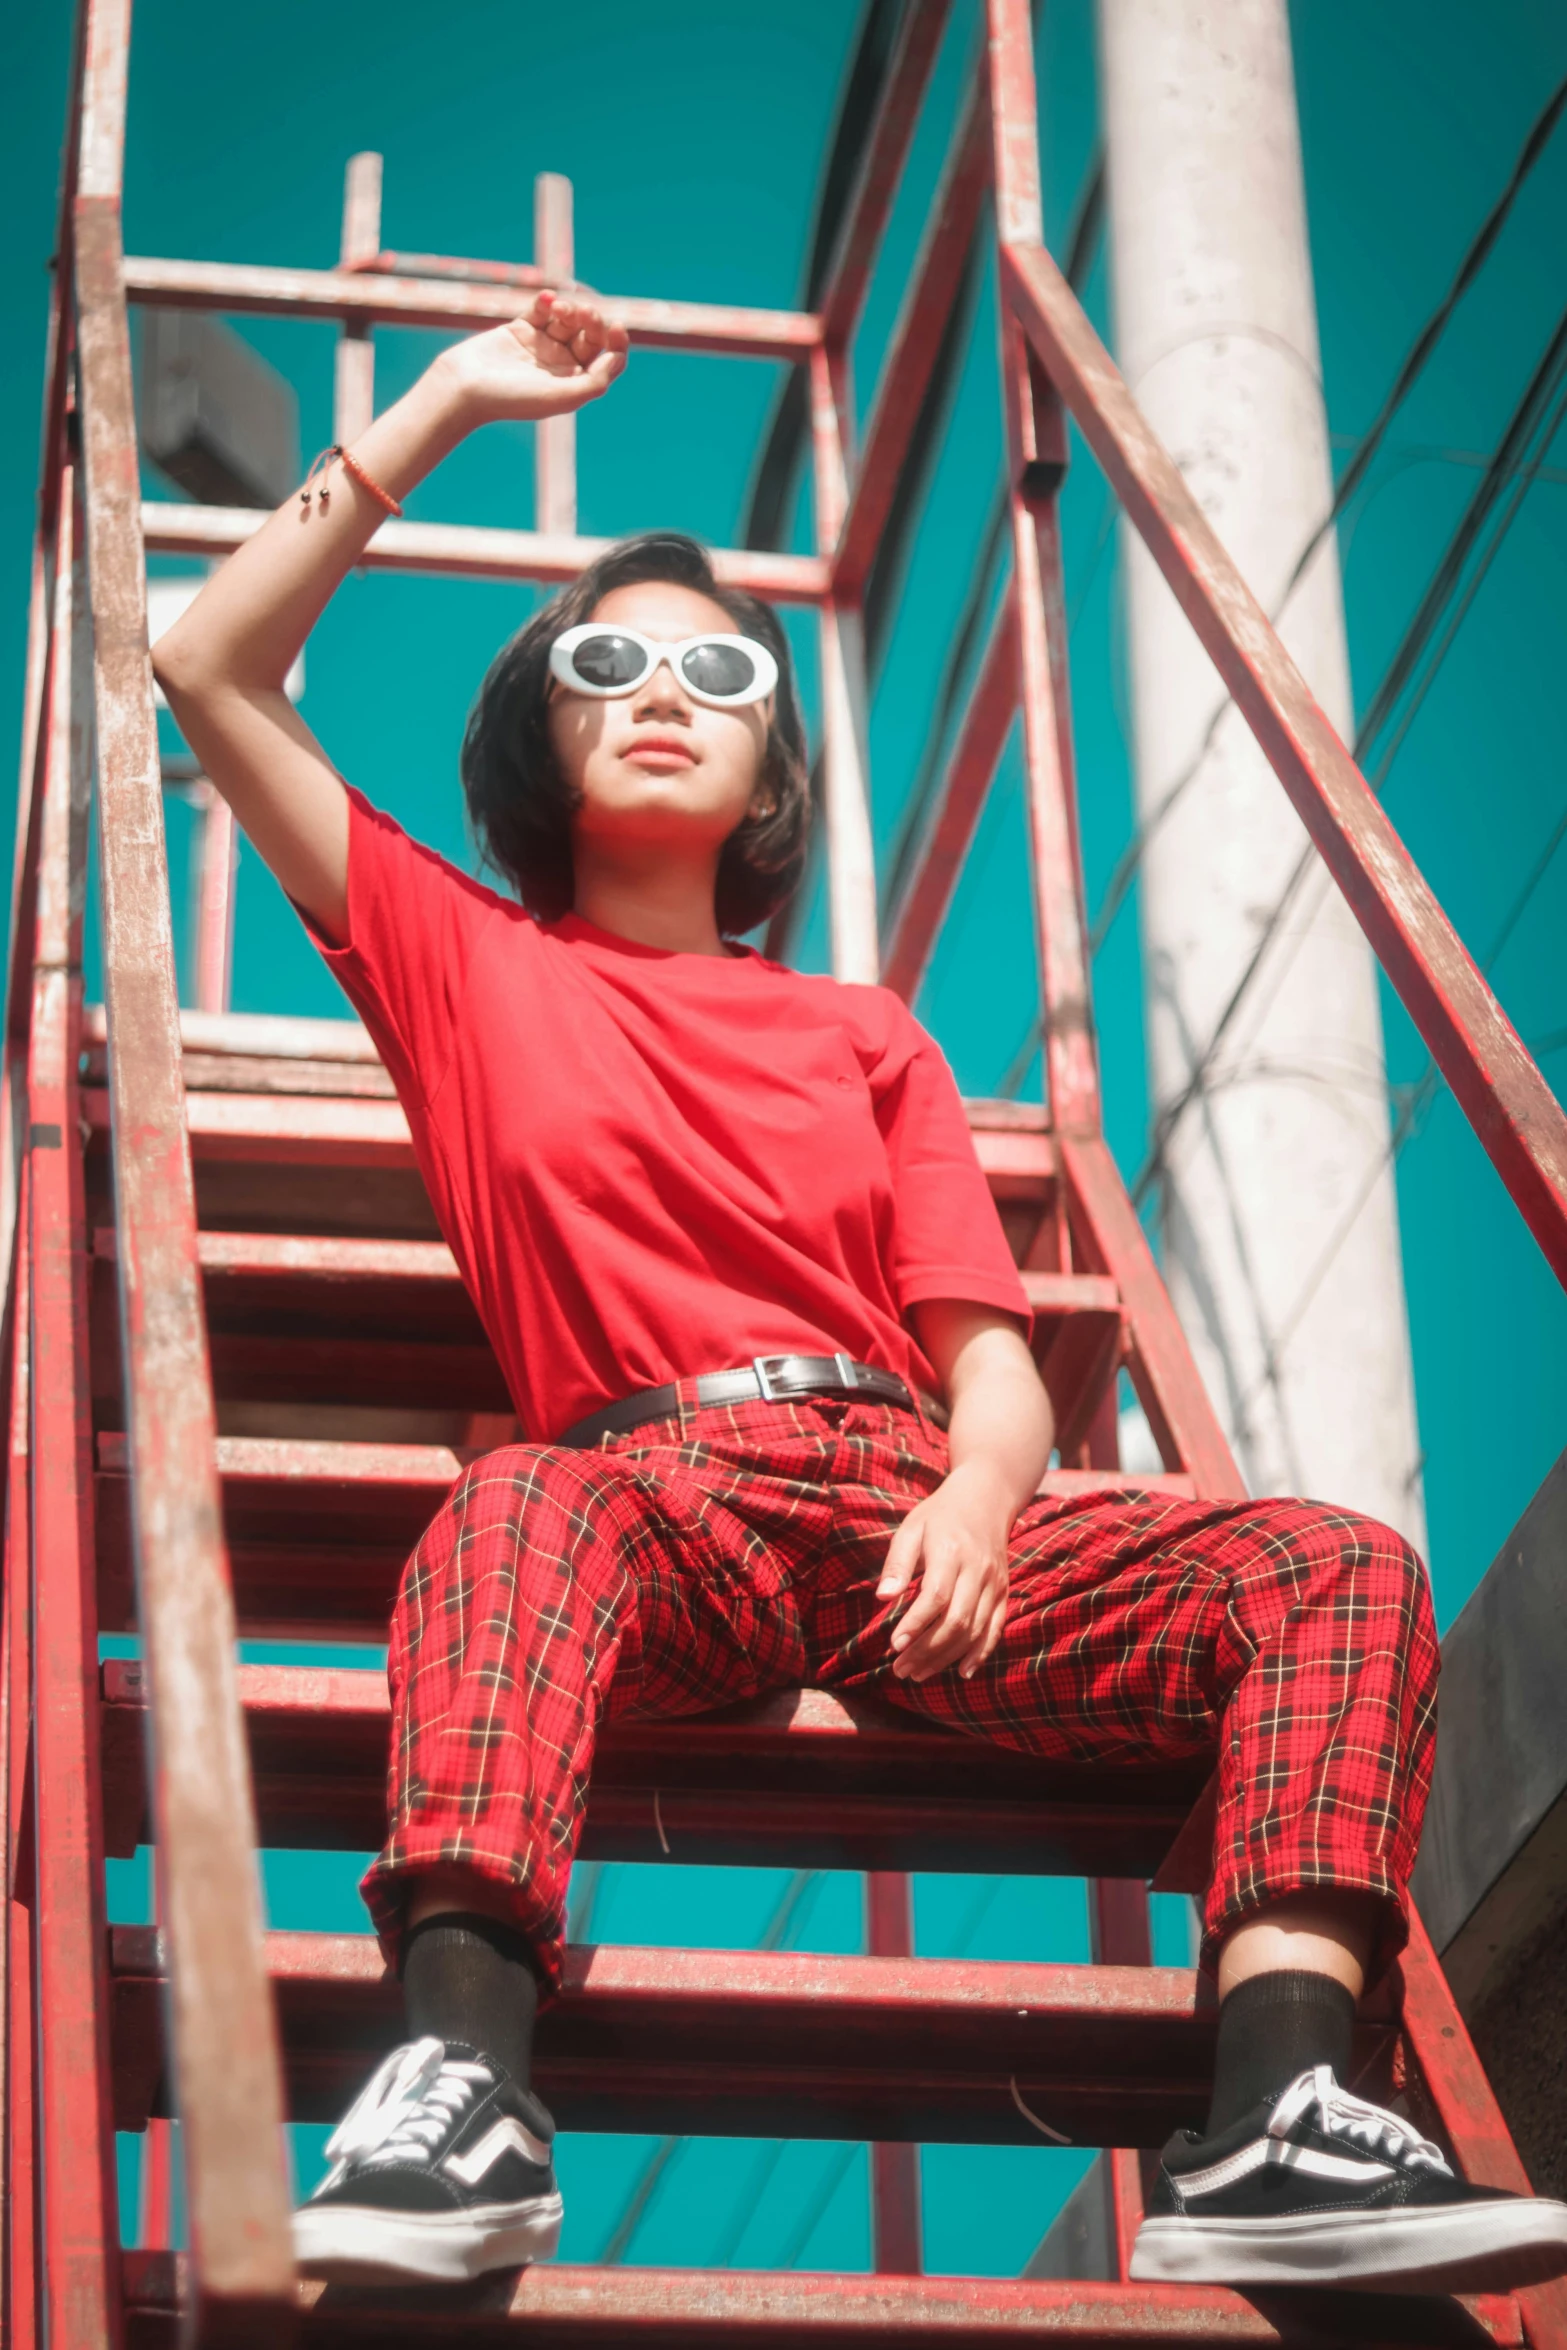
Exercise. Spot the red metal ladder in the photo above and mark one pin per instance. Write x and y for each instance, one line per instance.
(214, 1218)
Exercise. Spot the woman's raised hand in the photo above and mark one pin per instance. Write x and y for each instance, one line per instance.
(560, 354)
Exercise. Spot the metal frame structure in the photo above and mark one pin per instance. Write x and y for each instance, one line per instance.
(136, 1104)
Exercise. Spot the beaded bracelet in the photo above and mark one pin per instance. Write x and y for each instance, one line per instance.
(318, 486)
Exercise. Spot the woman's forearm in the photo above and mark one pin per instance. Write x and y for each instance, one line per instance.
(1001, 1428)
(250, 621)
(1001, 1424)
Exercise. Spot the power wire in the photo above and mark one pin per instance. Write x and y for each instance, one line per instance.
(1425, 342)
(787, 1919)
(1414, 666)
(1414, 1105)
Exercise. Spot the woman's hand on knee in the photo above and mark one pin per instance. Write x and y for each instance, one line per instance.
(955, 1546)
(560, 354)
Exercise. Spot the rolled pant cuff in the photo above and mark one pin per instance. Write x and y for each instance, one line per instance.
(390, 1879)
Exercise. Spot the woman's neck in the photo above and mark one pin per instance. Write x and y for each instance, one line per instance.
(668, 907)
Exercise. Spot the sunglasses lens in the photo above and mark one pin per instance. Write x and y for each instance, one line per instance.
(719, 669)
(608, 660)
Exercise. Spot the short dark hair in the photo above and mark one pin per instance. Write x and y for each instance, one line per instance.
(520, 803)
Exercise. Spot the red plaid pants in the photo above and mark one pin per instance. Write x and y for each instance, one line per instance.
(725, 1553)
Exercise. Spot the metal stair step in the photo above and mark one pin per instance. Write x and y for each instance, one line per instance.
(765, 2043)
(296, 1318)
(286, 1156)
(318, 1532)
(806, 1779)
(562, 2308)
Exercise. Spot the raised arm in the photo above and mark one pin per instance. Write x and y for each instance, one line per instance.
(223, 663)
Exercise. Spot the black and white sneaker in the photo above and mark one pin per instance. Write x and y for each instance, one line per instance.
(440, 2171)
(1322, 2188)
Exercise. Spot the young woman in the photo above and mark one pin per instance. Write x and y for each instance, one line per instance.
(727, 1233)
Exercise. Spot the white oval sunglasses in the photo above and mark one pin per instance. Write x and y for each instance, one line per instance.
(726, 672)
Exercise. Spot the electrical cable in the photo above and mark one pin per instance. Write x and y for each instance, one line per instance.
(837, 2172)
(1425, 342)
(787, 1918)
(1414, 1106)
(1404, 670)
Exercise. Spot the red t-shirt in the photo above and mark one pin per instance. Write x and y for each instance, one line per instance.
(651, 1164)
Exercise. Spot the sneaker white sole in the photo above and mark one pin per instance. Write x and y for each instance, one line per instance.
(354, 2242)
(1526, 2239)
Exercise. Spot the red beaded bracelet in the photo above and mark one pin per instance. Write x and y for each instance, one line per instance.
(317, 485)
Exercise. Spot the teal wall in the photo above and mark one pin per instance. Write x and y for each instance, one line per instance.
(693, 133)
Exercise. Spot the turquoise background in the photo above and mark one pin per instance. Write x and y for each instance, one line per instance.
(694, 133)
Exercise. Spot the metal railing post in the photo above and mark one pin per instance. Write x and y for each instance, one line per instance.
(225, 2069)
(555, 440)
(353, 382)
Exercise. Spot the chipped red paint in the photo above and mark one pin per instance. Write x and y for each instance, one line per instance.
(458, 308)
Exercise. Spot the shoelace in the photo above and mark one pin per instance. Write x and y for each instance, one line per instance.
(1344, 2116)
(407, 2109)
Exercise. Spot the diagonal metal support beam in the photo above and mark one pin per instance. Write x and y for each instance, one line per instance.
(1503, 1094)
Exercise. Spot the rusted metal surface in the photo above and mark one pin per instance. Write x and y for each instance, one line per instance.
(562, 2308)
(554, 437)
(257, 1036)
(766, 2043)
(896, 2248)
(1184, 1424)
(955, 814)
(470, 551)
(375, 299)
(301, 1130)
(1036, 455)
(224, 2046)
(871, 199)
(1466, 2105)
(1120, 1935)
(804, 1779)
(79, 2235)
(353, 381)
(18, 2210)
(1507, 1101)
(912, 351)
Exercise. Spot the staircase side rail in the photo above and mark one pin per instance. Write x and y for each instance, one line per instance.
(1498, 1086)
(227, 2082)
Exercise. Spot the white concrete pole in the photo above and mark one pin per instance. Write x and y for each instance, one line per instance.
(1298, 1322)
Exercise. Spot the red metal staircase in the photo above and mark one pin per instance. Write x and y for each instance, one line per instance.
(242, 1372)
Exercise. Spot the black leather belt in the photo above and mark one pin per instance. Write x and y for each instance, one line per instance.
(769, 1379)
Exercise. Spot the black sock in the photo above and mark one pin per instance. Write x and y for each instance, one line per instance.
(1271, 2027)
(467, 1977)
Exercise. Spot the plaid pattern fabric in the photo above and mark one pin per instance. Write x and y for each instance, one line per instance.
(727, 1553)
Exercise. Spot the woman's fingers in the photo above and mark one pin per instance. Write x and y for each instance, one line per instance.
(902, 1560)
(950, 1633)
(985, 1646)
(925, 1631)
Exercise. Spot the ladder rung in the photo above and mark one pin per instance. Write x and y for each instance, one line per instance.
(761, 2043)
(318, 1532)
(560, 2308)
(228, 1124)
(806, 1779)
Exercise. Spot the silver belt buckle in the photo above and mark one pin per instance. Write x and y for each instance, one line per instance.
(848, 1373)
(760, 1364)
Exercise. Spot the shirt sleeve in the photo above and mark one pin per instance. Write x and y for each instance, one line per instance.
(414, 923)
(949, 1240)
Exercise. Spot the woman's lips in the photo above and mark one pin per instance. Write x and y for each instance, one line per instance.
(661, 751)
